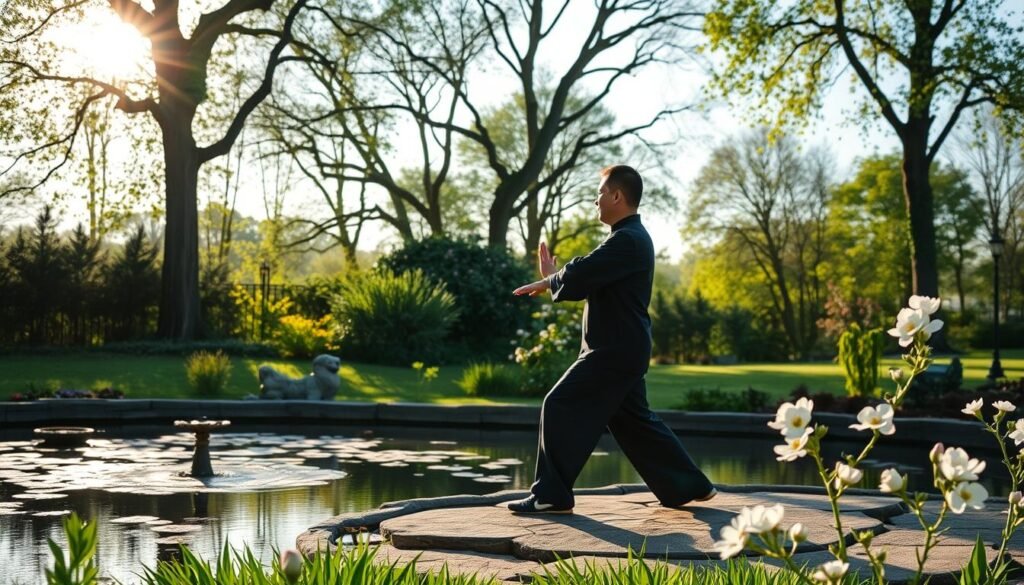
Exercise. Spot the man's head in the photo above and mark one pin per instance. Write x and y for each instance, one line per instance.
(619, 194)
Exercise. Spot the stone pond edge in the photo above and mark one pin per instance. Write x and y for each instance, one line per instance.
(968, 434)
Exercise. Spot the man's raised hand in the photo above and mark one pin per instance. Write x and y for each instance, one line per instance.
(546, 263)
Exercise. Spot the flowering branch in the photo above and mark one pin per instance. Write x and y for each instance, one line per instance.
(955, 473)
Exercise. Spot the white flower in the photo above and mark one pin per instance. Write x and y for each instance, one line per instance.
(733, 538)
(966, 493)
(956, 465)
(847, 475)
(911, 321)
(791, 419)
(1004, 406)
(1017, 435)
(927, 305)
(892, 481)
(794, 448)
(291, 564)
(1015, 498)
(973, 407)
(831, 572)
(876, 418)
(797, 532)
(761, 519)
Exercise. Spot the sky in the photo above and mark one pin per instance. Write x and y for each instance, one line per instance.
(691, 136)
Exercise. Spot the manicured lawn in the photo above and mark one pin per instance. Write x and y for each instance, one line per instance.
(164, 377)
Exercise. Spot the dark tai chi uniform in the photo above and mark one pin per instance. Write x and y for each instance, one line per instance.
(604, 387)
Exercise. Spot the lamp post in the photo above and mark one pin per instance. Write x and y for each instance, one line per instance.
(264, 292)
(996, 246)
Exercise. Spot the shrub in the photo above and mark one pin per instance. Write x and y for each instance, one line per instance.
(259, 321)
(545, 354)
(207, 372)
(481, 280)
(1011, 333)
(132, 287)
(487, 379)
(298, 336)
(860, 352)
(393, 318)
(313, 299)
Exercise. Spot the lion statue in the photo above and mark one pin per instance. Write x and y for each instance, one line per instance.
(322, 384)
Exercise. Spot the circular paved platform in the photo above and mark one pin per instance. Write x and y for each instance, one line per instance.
(477, 534)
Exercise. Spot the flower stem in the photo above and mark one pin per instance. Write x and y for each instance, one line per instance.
(1011, 514)
(833, 498)
(929, 542)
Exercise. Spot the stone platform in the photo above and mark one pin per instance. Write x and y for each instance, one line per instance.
(477, 534)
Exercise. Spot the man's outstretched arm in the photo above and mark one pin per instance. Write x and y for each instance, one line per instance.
(615, 258)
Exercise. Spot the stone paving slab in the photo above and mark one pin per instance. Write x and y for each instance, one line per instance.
(602, 526)
(476, 534)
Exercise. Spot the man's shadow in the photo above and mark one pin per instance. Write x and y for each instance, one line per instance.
(677, 544)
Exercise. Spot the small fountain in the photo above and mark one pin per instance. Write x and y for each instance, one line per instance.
(201, 466)
(64, 437)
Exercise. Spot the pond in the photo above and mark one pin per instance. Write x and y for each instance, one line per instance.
(125, 480)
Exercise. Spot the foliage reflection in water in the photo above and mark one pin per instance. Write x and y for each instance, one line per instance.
(122, 483)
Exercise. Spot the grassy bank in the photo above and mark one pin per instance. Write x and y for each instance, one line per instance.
(164, 377)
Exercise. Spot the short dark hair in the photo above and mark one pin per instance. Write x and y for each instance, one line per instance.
(626, 179)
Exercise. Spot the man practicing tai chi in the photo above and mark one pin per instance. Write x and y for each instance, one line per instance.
(605, 387)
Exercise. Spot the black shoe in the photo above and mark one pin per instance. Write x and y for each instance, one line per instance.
(531, 506)
(711, 494)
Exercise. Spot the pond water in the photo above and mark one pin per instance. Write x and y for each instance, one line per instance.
(127, 481)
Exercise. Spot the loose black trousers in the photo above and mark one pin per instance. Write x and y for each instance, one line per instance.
(590, 397)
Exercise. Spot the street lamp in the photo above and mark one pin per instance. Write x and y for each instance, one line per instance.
(996, 246)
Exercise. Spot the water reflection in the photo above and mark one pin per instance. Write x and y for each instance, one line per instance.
(389, 464)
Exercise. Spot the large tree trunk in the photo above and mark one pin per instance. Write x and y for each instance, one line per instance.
(500, 216)
(179, 283)
(534, 223)
(917, 190)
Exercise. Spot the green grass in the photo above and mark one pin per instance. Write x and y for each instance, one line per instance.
(164, 377)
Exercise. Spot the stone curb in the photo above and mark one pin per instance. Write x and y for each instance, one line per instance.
(913, 431)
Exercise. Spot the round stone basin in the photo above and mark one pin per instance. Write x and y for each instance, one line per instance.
(64, 437)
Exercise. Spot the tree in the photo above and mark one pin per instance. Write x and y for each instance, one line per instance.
(921, 63)
(365, 99)
(771, 199)
(36, 262)
(618, 40)
(995, 158)
(114, 190)
(958, 222)
(867, 231)
(172, 97)
(545, 208)
(870, 245)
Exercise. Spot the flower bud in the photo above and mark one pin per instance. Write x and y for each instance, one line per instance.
(936, 453)
(1015, 498)
(896, 374)
(797, 533)
(291, 564)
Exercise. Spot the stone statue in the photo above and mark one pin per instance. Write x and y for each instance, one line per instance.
(322, 384)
